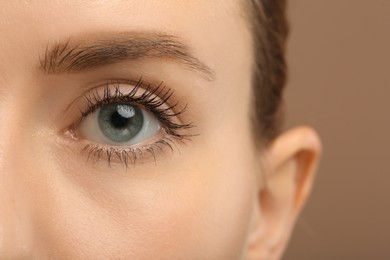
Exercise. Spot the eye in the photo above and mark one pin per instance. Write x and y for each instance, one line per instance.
(119, 124)
(123, 122)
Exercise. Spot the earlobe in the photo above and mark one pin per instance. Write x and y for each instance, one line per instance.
(291, 165)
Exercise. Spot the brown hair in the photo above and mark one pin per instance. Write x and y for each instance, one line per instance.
(269, 29)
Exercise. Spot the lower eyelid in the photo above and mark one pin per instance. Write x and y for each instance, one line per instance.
(129, 155)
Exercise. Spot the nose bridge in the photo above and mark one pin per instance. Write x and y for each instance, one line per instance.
(15, 235)
(16, 201)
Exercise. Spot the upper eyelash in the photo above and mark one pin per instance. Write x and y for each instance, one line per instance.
(152, 98)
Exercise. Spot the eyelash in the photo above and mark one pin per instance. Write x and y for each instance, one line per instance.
(152, 99)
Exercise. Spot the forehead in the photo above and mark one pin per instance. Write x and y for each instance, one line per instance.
(204, 25)
(163, 11)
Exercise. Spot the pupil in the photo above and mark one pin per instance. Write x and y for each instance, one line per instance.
(119, 121)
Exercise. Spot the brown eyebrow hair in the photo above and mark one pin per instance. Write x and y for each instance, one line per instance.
(73, 56)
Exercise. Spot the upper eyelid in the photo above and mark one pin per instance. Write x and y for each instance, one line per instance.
(105, 83)
(146, 90)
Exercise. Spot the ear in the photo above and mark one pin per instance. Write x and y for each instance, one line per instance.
(290, 166)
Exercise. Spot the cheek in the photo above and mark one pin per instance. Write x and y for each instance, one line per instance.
(227, 204)
(197, 209)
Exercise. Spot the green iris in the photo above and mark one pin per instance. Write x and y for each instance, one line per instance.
(120, 122)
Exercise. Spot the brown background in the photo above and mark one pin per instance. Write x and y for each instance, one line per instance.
(339, 59)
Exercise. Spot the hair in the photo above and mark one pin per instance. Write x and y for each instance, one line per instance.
(269, 31)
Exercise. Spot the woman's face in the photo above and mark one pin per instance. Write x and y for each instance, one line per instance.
(97, 159)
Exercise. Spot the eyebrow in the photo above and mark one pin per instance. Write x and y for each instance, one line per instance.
(74, 56)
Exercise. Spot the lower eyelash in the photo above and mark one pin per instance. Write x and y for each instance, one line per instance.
(131, 155)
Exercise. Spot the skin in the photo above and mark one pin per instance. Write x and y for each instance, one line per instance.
(216, 196)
